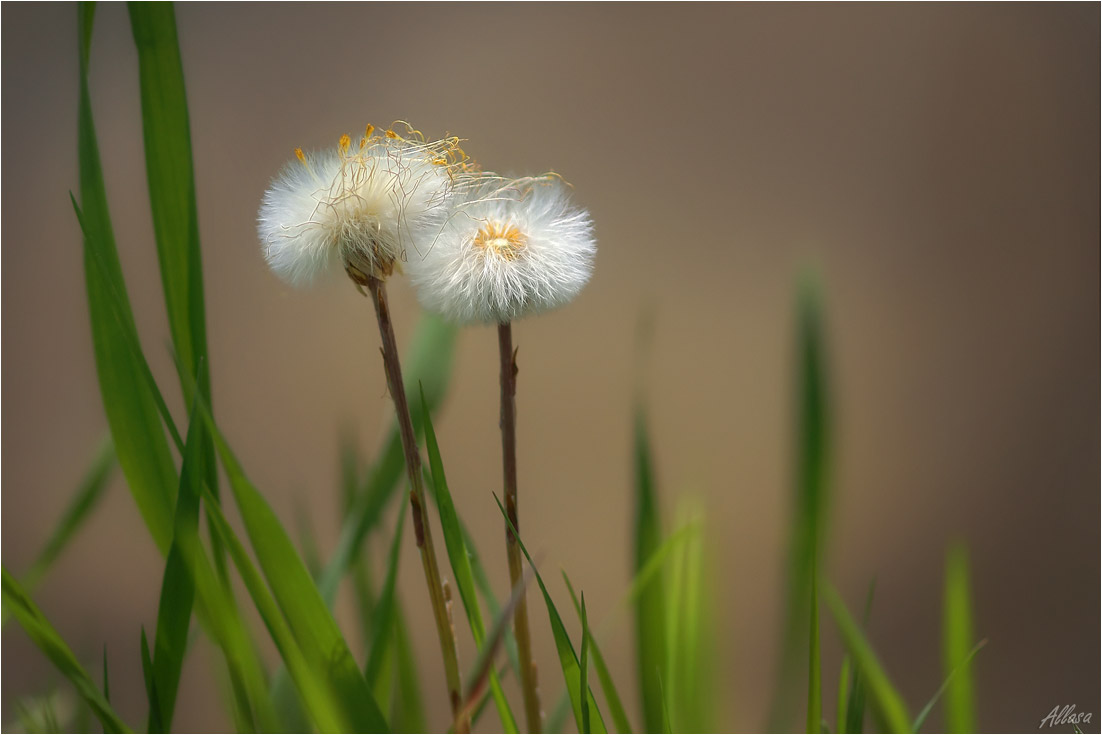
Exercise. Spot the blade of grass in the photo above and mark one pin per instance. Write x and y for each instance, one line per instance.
(177, 587)
(957, 637)
(80, 508)
(962, 667)
(460, 561)
(885, 697)
(583, 686)
(612, 696)
(843, 696)
(568, 659)
(383, 618)
(855, 708)
(46, 637)
(320, 703)
(131, 413)
(650, 605)
(810, 498)
(155, 724)
(171, 178)
(310, 620)
(408, 708)
(815, 670)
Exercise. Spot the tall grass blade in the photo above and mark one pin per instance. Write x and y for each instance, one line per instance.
(568, 658)
(460, 561)
(885, 697)
(650, 605)
(383, 616)
(46, 637)
(167, 136)
(843, 696)
(130, 407)
(957, 638)
(963, 666)
(310, 682)
(307, 614)
(855, 707)
(815, 668)
(810, 499)
(177, 586)
(155, 724)
(88, 495)
(408, 711)
(583, 686)
(615, 705)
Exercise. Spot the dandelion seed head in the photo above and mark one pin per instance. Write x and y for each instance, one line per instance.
(509, 249)
(357, 207)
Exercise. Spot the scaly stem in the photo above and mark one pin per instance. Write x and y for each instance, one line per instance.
(421, 527)
(516, 570)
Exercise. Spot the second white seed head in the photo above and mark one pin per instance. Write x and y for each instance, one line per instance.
(510, 248)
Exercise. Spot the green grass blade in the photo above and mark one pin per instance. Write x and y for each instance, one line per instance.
(843, 695)
(810, 499)
(167, 137)
(650, 605)
(319, 702)
(307, 613)
(177, 587)
(814, 667)
(131, 410)
(962, 667)
(583, 685)
(46, 637)
(155, 724)
(461, 562)
(885, 697)
(91, 489)
(408, 707)
(383, 617)
(615, 705)
(855, 707)
(568, 658)
(957, 638)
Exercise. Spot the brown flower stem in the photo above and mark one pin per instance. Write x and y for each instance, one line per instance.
(512, 549)
(421, 527)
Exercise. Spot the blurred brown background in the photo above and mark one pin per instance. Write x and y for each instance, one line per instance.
(938, 165)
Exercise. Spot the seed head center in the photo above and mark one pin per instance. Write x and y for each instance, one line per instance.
(505, 241)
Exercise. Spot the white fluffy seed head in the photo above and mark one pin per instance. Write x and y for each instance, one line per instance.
(358, 207)
(510, 248)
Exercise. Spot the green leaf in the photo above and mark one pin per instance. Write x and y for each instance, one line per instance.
(885, 697)
(309, 682)
(957, 638)
(131, 410)
(168, 160)
(310, 620)
(583, 685)
(814, 667)
(568, 659)
(855, 707)
(155, 724)
(963, 666)
(46, 637)
(383, 617)
(612, 696)
(650, 605)
(177, 586)
(460, 562)
(80, 508)
(843, 695)
(810, 498)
